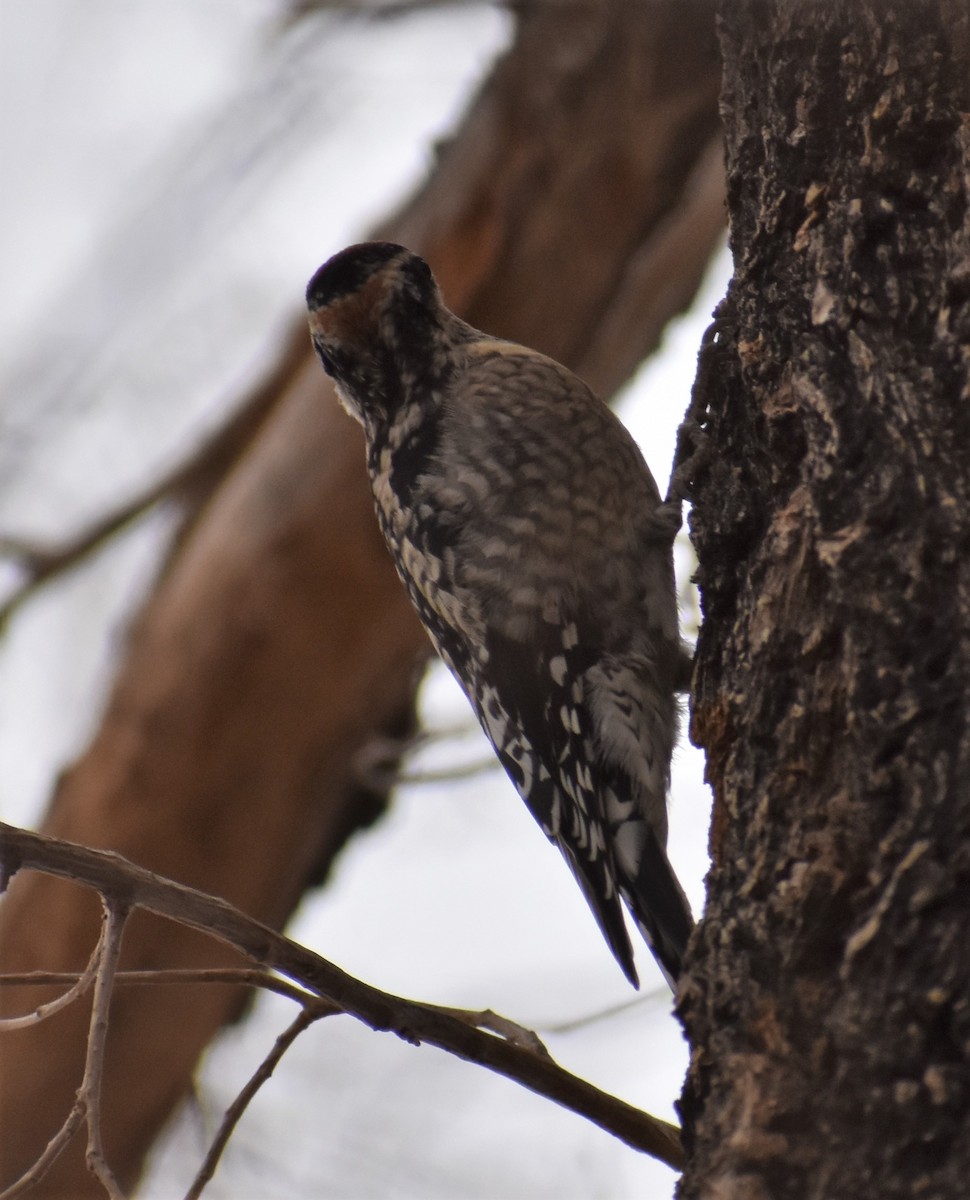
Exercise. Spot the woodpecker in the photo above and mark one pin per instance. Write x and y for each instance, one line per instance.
(536, 549)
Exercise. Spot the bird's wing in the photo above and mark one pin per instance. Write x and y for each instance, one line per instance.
(530, 701)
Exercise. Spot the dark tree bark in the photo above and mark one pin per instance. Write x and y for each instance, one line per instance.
(828, 1001)
(575, 210)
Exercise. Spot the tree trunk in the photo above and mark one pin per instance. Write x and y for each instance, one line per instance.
(575, 210)
(827, 1001)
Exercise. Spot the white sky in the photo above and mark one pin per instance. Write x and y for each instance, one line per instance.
(456, 897)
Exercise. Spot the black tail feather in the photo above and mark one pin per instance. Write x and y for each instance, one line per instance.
(608, 912)
(660, 909)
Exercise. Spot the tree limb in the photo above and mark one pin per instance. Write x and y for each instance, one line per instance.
(483, 1038)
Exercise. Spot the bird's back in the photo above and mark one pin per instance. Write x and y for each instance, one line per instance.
(555, 607)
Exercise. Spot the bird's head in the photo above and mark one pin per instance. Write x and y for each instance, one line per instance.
(376, 320)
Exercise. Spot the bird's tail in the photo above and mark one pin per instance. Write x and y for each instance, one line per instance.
(660, 908)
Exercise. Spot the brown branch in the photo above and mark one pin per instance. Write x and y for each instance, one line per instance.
(79, 985)
(102, 968)
(124, 885)
(51, 1152)
(89, 1096)
(233, 1114)
(226, 976)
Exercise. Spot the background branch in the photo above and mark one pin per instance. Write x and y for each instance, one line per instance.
(188, 483)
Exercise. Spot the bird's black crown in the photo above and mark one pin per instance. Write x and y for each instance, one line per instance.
(349, 270)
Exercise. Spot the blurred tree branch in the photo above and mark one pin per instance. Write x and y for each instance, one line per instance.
(189, 483)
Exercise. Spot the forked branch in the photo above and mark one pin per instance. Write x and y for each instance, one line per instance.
(483, 1038)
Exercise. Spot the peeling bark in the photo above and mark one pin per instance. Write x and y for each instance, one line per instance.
(278, 641)
(827, 1002)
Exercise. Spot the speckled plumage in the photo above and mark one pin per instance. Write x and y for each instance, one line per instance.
(536, 549)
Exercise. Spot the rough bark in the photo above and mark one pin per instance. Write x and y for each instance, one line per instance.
(574, 210)
(827, 999)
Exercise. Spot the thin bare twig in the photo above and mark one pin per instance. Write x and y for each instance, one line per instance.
(379, 763)
(51, 1152)
(115, 916)
(168, 975)
(401, 777)
(414, 1022)
(231, 1118)
(80, 983)
(87, 1106)
(660, 994)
